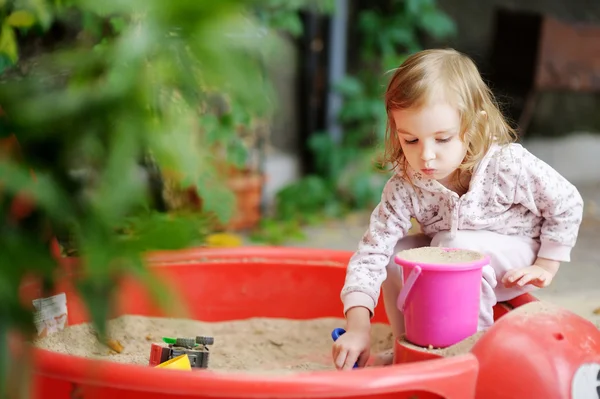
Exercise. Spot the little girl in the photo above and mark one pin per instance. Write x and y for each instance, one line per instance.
(460, 174)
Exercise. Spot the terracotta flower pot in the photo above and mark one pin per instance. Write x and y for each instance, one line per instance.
(247, 188)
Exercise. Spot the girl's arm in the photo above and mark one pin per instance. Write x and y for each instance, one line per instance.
(546, 193)
(366, 271)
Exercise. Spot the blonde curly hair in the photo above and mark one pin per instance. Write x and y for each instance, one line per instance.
(453, 75)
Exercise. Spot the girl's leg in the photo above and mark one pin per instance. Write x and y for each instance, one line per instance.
(505, 252)
(393, 283)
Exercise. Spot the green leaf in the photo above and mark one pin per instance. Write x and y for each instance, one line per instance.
(120, 187)
(289, 22)
(173, 143)
(42, 12)
(322, 146)
(369, 22)
(292, 201)
(349, 86)
(215, 131)
(416, 7)
(216, 198)
(164, 297)
(97, 294)
(437, 24)
(237, 154)
(20, 19)
(118, 24)
(357, 110)
(44, 190)
(8, 43)
(159, 231)
(25, 252)
(5, 63)
(91, 23)
(396, 60)
(362, 189)
(403, 36)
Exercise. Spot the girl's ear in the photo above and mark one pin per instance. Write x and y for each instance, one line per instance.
(483, 113)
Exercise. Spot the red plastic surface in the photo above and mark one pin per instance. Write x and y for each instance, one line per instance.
(536, 356)
(227, 284)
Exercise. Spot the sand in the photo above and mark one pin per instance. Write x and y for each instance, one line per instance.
(438, 255)
(258, 345)
(457, 349)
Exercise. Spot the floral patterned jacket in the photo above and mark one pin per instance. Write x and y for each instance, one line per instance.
(511, 192)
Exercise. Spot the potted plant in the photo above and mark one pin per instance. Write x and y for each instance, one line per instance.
(231, 138)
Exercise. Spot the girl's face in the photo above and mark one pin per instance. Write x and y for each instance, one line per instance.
(429, 136)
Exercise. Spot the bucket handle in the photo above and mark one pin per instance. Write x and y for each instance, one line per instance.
(405, 291)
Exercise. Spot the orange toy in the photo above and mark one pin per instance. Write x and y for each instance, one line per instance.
(539, 356)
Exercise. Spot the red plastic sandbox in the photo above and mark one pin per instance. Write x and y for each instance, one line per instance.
(228, 284)
(536, 357)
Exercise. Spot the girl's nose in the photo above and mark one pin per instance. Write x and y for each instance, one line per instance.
(427, 153)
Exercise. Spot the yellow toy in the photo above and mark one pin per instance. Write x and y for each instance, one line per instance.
(177, 363)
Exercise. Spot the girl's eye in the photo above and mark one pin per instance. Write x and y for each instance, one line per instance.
(438, 140)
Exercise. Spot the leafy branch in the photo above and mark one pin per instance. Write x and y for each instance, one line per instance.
(127, 82)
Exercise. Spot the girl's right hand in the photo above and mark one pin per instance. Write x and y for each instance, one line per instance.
(353, 346)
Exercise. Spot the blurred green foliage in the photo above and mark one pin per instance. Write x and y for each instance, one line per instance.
(91, 89)
(348, 173)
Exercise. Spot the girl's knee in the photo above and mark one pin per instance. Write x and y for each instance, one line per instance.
(412, 241)
(393, 278)
(409, 242)
(461, 239)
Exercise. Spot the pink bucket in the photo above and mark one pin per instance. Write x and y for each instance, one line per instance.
(440, 302)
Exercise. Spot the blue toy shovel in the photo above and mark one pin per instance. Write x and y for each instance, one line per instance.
(335, 334)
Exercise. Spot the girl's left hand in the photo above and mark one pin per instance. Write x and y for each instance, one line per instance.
(534, 275)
